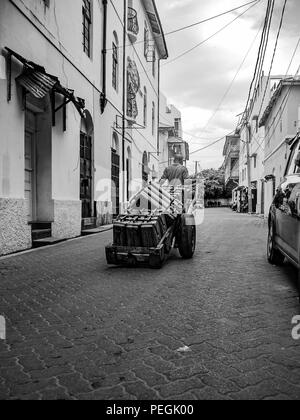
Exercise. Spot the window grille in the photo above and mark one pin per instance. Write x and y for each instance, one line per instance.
(86, 26)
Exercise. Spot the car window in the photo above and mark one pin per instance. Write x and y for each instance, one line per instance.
(292, 168)
(293, 199)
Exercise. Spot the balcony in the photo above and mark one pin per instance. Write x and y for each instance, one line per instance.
(132, 25)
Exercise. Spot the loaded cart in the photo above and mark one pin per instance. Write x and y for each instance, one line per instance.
(157, 220)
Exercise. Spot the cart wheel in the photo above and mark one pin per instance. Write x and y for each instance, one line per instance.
(187, 236)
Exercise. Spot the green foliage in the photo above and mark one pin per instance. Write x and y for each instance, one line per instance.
(214, 183)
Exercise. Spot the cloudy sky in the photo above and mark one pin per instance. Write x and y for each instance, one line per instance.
(197, 82)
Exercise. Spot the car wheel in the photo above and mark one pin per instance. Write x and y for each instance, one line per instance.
(298, 280)
(187, 236)
(299, 283)
(275, 257)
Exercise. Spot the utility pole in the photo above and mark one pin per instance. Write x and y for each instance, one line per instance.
(197, 163)
(248, 139)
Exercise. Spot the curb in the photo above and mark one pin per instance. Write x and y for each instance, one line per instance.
(63, 241)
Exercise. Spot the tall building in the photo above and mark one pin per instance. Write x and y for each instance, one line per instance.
(79, 89)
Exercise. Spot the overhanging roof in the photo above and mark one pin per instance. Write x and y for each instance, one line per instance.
(156, 26)
(39, 83)
(286, 82)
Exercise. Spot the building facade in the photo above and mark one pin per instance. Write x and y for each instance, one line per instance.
(170, 135)
(78, 108)
(252, 145)
(281, 122)
(231, 153)
(266, 131)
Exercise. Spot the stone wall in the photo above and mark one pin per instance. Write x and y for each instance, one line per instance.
(15, 233)
(67, 219)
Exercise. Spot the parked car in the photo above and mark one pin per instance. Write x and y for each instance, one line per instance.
(284, 217)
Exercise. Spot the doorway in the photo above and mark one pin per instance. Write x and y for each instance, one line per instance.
(86, 176)
(115, 178)
(30, 165)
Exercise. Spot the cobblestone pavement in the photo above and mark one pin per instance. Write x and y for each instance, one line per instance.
(77, 329)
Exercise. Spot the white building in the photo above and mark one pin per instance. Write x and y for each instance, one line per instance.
(281, 121)
(254, 134)
(170, 135)
(70, 121)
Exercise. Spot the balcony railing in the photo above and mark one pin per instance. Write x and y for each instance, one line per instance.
(133, 24)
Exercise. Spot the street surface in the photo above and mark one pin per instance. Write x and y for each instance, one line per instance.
(78, 329)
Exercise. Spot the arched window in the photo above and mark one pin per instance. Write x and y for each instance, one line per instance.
(115, 143)
(145, 106)
(145, 169)
(153, 118)
(115, 62)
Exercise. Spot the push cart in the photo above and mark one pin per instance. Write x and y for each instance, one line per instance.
(157, 220)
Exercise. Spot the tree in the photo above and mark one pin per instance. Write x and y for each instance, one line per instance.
(214, 180)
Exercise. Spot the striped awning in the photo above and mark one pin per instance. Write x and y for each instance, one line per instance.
(37, 83)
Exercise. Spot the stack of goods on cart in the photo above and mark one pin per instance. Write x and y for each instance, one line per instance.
(150, 213)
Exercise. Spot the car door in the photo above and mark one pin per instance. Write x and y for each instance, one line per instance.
(295, 221)
(287, 216)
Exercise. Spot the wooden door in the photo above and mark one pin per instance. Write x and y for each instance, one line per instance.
(30, 166)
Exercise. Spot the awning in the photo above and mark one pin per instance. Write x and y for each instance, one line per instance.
(39, 83)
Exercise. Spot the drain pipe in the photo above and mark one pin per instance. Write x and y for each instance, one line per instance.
(103, 100)
(124, 99)
(158, 109)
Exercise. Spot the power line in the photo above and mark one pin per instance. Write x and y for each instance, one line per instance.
(261, 53)
(196, 23)
(286, 96)
(273, 57)
(209, 19)
(264, 46)
(212, 144)
(281, 110)
(226, 93)
(233, 80)
(207, 39)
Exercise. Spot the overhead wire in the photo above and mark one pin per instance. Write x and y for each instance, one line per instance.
(210, 37)
(180, 29)
(273, 57)
(261, 54)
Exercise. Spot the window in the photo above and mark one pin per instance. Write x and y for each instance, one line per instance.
(146, 40)
(145, 107)
(153, 63)
(234, 164)
(86, 26)
(153, 119)
(291, 166)
(115, 63)
(254, 161)
(177, 126)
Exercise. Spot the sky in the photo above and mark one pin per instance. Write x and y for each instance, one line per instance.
(197, 82)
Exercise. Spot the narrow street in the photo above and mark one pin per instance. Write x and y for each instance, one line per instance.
(78, 329)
